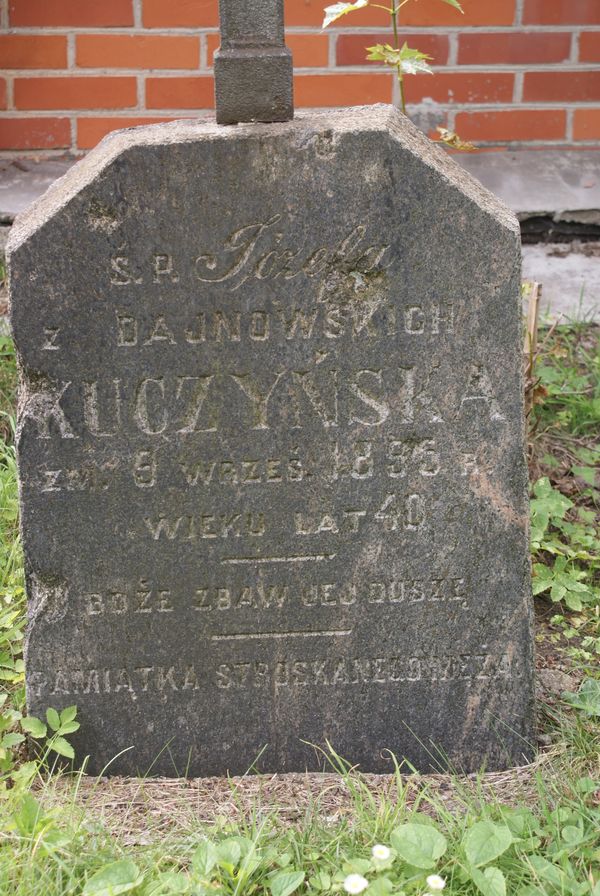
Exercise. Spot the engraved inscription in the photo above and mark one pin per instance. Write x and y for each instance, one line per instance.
(256, 251)
(207, 525)
(285, 673)
(229, 597)
(295, 399)
(279, 323)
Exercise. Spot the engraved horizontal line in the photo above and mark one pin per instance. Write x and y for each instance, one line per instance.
(246, 636)
(299, 558)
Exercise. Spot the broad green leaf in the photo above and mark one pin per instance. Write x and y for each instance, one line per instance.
(587, 697)
(337, 10)
(550, 873)
(53, 718)
(586, 785)
(420, 845)
(357, 866)
(114, 879)
(571, 834)
(485, 841)
(490, 881)
(285, 882)
(170, 883)
(320, 881)
(549, 500)
(68, 714)
(204, 858)
(522, 822)
(62, 747)
(28, 814)
(34, 726)
(379, 52)
(12, 739)
(572, 601)
(414, 62)
(542, 578)
(411, 62)
(25, 774)
(229, 852)
(588, 474)
(54, 840)
(381, 886)
(246, 845)
(69, 727)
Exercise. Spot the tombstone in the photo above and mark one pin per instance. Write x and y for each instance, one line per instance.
(271, 446)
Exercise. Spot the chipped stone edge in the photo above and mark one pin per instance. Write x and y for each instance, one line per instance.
(379, 117)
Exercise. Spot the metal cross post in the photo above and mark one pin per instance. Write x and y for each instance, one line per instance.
(253, 67)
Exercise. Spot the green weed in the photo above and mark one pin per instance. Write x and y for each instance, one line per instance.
(565, 505)
(394, 846)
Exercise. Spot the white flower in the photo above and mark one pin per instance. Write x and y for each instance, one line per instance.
(355, 884)
(435, 882)
(380, 852)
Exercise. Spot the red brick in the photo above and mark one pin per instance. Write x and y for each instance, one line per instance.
(561, 86)
(342, 90)
(213, 42)
(308, 50)
(33, 51)
(477, 12)
(180, 93)
(81, 13)
(351, 48)
(586, 124)
(589, 46)
(75, 93)
(35, 133)
(310, 12)
(517, 48)
(512, 124)
(137, 51)
(462, 87)
(91, 130)
(3, 98)
(180, 13)
(561, 12)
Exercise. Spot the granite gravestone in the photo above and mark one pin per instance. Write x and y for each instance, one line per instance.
(271, 450)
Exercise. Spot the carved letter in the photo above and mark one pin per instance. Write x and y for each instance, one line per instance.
(142, 412)
(198, 387)
(378, 405)
(91, 409)
(44, 408)
(257, 396)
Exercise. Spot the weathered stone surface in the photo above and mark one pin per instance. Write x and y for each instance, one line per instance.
(271, 450)
(253, 67)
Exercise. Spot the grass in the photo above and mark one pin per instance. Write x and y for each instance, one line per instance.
(531, 831)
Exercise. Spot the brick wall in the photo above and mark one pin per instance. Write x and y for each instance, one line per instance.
(508, 72)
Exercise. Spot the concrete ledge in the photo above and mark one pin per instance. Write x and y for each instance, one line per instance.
(562, 184)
